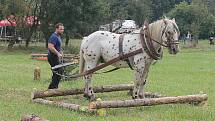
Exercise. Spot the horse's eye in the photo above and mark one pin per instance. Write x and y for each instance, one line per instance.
(169, 32)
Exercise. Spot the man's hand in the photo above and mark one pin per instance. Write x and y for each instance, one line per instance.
(60, 56)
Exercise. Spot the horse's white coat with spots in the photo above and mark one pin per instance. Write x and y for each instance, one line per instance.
(104, 44)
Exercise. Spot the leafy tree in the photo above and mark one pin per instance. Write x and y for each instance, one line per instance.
(209, 4)
(194, 18)
(162, 7)
(140, 10)
(80, 17)
(118, 9)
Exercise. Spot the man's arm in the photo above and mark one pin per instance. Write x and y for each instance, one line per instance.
(53, 50)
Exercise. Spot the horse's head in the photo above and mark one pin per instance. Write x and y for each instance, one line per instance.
(170, 35)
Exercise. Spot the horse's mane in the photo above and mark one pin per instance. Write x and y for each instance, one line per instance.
(160, 24)
(155, 29)
(157, 25)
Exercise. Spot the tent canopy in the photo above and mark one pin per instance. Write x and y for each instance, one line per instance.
(7, 23)
(29, 21)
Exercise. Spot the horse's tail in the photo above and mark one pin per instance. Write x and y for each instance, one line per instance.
(81, 62)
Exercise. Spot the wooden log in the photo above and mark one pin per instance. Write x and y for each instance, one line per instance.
(31, 117)
(61, 104)
(149, 101)
(58, 92)
(37, 73)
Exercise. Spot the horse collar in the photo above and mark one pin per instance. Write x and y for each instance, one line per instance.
(146, 42)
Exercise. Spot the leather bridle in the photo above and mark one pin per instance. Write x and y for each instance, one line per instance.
(146, 41)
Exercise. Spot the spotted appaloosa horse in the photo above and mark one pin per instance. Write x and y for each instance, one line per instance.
(105, 45)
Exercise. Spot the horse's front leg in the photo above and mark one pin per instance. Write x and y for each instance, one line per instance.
(143, 80)
(137, 84)
(141, 68)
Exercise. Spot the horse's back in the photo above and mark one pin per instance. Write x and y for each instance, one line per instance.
(97, 37)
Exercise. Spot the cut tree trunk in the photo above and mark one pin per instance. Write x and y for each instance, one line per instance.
(57, 92)
(195, 99)
(37, 73)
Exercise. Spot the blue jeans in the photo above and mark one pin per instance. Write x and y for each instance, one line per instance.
(53, 61)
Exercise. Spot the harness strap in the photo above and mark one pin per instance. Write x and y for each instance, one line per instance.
(107, 63)
(147, 44)
(121, 38)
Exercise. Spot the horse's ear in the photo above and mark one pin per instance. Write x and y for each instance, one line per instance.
(146, 23)
(164, 17)
(165, 21)
(173, 19)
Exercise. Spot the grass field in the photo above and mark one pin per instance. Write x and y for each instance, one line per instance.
(189, 72)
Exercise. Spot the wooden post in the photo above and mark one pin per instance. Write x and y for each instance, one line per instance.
(31, 117)
(37, 73)
(57, 92)
(196, 99)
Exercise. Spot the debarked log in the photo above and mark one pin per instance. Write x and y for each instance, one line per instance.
(196, 99)
(112, 88)
(62, 104)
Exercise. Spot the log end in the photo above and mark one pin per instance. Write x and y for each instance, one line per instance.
(91, 106)
(33, 93)
(203, 104)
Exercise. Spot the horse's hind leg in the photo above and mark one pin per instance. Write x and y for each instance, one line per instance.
(88, 91)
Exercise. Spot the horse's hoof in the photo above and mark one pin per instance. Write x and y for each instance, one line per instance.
(130, 92)
(135, 97)
(86, 96)
(141, 96)
(92, 98)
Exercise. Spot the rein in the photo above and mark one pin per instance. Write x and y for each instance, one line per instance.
(121, 57)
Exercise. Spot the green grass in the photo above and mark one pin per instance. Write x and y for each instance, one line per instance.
(189, 72)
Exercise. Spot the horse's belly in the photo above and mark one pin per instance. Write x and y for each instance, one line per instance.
(120, 64)
(111, 54)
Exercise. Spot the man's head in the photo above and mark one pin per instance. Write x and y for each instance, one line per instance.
(59, 28)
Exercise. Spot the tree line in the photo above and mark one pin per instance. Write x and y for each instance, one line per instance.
(82, 17)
